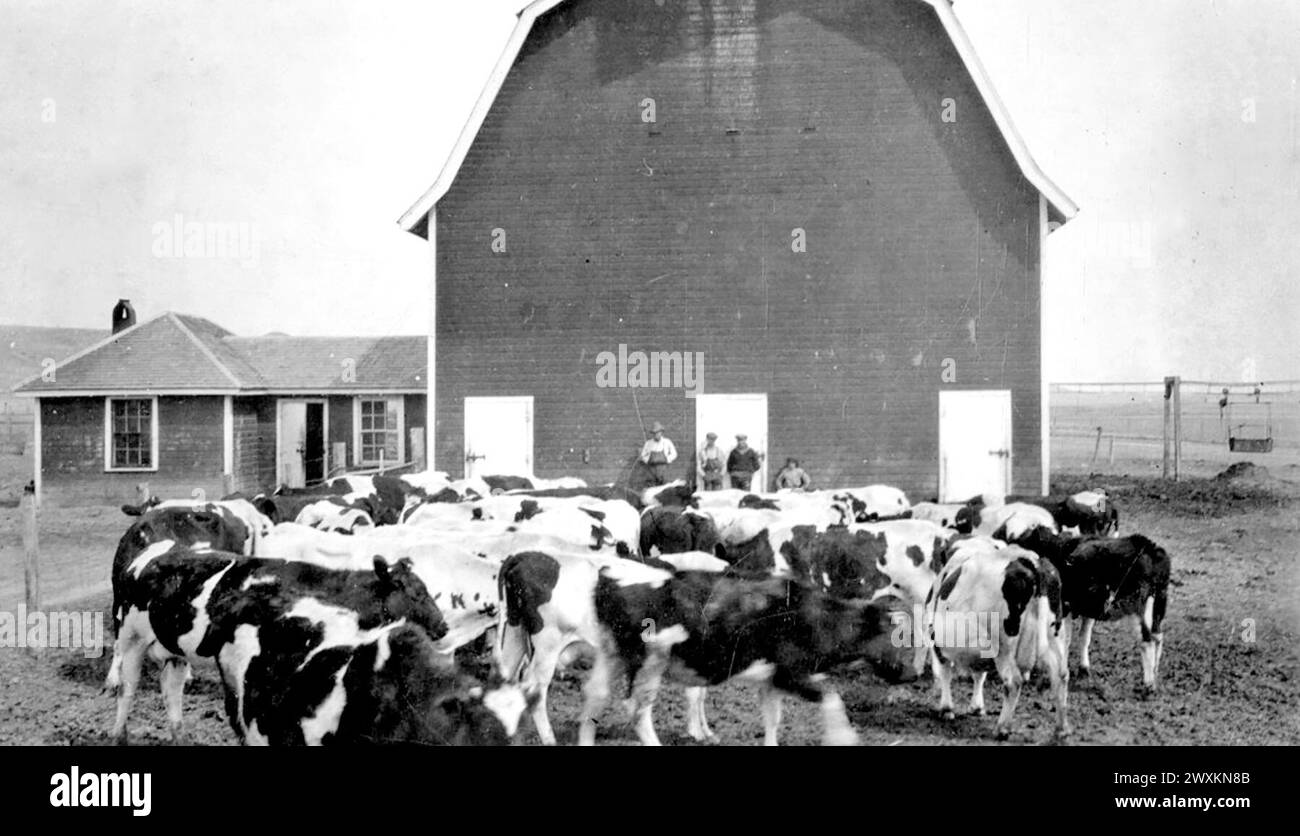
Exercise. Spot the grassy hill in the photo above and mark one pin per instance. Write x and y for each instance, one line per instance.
(23, 347)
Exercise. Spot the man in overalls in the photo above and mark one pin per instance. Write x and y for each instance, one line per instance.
(657, 453)
(711, 464)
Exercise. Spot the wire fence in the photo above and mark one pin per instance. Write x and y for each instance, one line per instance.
(1123, 424)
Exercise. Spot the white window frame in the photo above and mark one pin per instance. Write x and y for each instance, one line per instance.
(400, 400)
(153, 434)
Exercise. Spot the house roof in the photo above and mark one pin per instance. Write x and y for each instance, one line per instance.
(415, 219)
(181, 354)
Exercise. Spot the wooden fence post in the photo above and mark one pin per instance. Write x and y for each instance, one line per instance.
(1169, 383)
(1178, 425)
(31, 555)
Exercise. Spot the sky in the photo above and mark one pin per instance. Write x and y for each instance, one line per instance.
(297, 132)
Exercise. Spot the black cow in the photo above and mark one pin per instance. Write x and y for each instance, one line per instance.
(676, 530)
(1109, 578)
(180, 605)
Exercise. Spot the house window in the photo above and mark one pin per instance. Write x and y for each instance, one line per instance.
(131, 434)
(379, 430)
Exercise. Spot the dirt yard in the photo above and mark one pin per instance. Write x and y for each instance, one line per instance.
(1234, 542)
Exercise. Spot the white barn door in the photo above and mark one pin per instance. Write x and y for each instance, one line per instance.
(974, 443)
(727, 415)
(498, 436)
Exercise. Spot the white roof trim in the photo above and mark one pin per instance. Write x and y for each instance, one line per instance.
(1057, 198)
(422, 207)
(239, 393)
(425, 204)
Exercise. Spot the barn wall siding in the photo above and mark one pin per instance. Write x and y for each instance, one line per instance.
(189, 452)
(922, 236)
(254, 444)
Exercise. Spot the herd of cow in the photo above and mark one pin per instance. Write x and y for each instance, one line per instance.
(334, 615)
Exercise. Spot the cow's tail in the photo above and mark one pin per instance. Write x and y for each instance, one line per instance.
(514, 645)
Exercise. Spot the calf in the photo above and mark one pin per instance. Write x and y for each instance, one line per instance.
(705, 629)
(382, 686)
(1112, 578)
(182, 605)
(983, 582)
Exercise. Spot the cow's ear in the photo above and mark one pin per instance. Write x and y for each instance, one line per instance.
(381, 569)
(720, 551)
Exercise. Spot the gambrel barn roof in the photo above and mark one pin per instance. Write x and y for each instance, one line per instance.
(1060, 207)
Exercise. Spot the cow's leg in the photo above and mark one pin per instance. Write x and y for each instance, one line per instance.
(128, 659)
(836, 728)
(538, 672)
(1009, 672)
(595, 697)
(977, 693)
(1085, 639)
(942, 671)
(174, 676)
(770, 701)
(1057, 660)
(645, 687)
(697, 724)
(1148, 640)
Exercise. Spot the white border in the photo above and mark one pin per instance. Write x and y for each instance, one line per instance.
(108, 433)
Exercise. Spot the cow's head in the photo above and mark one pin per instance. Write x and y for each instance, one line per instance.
(967, 518)
(753, 556)
(402, 594)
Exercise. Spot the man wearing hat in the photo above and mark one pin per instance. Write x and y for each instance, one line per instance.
(743, 463)
(657, 453)
(710, 464)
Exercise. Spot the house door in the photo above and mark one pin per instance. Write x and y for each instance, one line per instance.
(498, 436)
(728, 415)
(300, 443)
(974, 444)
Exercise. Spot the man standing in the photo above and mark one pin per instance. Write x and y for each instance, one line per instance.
(743, 463)
(657, 453)
(710, 463)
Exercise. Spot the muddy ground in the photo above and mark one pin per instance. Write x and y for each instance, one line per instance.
(1229, 673)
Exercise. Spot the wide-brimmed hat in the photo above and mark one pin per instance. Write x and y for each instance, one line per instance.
(656, 427)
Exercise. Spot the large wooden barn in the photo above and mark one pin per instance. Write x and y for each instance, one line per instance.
(189, 408)
(822, 202)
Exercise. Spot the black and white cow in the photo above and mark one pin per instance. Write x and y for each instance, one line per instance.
(1112, 578)
(703, 629)
(997, 607)
(1090, 513)
(384, 686)
(1006, 522)
(181, 605)
(333, 514)
(553, 599)
(232, 526)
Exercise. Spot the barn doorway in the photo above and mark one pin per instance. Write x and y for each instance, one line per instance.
(974, 443)
(728, 415)
(498, 436)
(300, 434)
